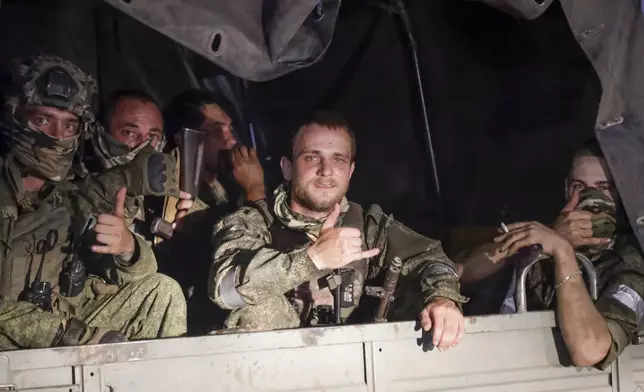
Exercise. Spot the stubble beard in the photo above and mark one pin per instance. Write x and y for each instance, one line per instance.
(306, 200)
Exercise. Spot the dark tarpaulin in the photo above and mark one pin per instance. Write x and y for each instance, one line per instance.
(253, 39)
(508, 100)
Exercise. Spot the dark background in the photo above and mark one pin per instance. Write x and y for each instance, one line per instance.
(508, 100)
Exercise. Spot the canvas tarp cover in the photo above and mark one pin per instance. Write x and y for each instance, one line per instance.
(254, 39)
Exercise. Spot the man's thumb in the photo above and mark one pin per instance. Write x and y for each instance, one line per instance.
(119, 206)
(330, 221)
(572, 203)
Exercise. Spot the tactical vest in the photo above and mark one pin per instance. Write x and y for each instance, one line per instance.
(346, 284)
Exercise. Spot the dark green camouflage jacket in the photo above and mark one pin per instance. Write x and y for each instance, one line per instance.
(25, 222)
(242, 250)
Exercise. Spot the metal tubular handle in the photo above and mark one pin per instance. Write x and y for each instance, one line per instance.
(520, 296)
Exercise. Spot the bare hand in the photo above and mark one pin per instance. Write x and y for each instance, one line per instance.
(184, 205)
(577, 226)
(112, 230)
(447, 321)
(337, 247)
(248, 172)
(525, 234)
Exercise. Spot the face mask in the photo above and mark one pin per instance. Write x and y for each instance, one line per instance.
(44, 155)
(112, 152)
(603, 210)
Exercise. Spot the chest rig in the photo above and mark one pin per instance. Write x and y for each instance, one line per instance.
(345, 284)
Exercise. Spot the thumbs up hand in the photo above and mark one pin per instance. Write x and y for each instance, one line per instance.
(577, 226)
(337, 247)
(112, 231)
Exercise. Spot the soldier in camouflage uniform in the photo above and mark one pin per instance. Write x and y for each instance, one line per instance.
(232, 174)
(133, 123)
(54, 288)
(593, 224)
(274, 262)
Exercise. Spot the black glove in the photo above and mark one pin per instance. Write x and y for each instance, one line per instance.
(151, 173)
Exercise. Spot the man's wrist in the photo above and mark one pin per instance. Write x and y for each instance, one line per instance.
(317, 264)
(126, 257)
(256, 192)
(564, 253)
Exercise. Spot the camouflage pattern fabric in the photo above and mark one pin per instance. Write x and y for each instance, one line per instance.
(263, 275)
(620, 273)
(295, 221)
(44, 155)
(111, 152)
(26, 72)
(37, 227)
(603, 210)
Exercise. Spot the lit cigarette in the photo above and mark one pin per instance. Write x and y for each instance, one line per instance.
(505, 228)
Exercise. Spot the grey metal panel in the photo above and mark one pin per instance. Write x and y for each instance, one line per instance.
(335, 368)
(630, 367)
(499, 353)
(39, 378)
(257, 341)
(521, 360)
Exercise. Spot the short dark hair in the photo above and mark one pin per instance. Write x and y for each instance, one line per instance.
(327, 119)
(590, 148)
(116, 97)
(184, 111)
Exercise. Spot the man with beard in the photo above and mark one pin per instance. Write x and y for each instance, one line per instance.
(65, 278)
(593, 224)
(232, 175)
(274, 263)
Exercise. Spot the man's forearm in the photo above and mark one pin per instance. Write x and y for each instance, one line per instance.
(583, 327)
(480, 263)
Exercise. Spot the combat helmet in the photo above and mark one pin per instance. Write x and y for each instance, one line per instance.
(53, 82)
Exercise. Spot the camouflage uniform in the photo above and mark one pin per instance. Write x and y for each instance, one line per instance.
(109, 153)
(261, 268)
(37, 230)
(620, 275)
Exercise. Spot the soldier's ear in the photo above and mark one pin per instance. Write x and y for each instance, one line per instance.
(286, 166)
(353, 167)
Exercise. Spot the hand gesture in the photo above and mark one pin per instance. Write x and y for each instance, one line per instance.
(447, 321)
(337, 247)
(248, 172)
(112, 231)
(577, 226)
(525, 234)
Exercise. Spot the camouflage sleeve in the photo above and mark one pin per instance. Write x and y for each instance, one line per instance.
(97, 193)
(245, 270)
(521, 9)
(426, 268)
(26, 326)
(142, 263)
(621, 303)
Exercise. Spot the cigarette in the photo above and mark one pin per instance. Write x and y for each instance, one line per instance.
(505, 228)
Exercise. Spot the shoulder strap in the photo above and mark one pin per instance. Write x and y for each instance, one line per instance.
(354, 217)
